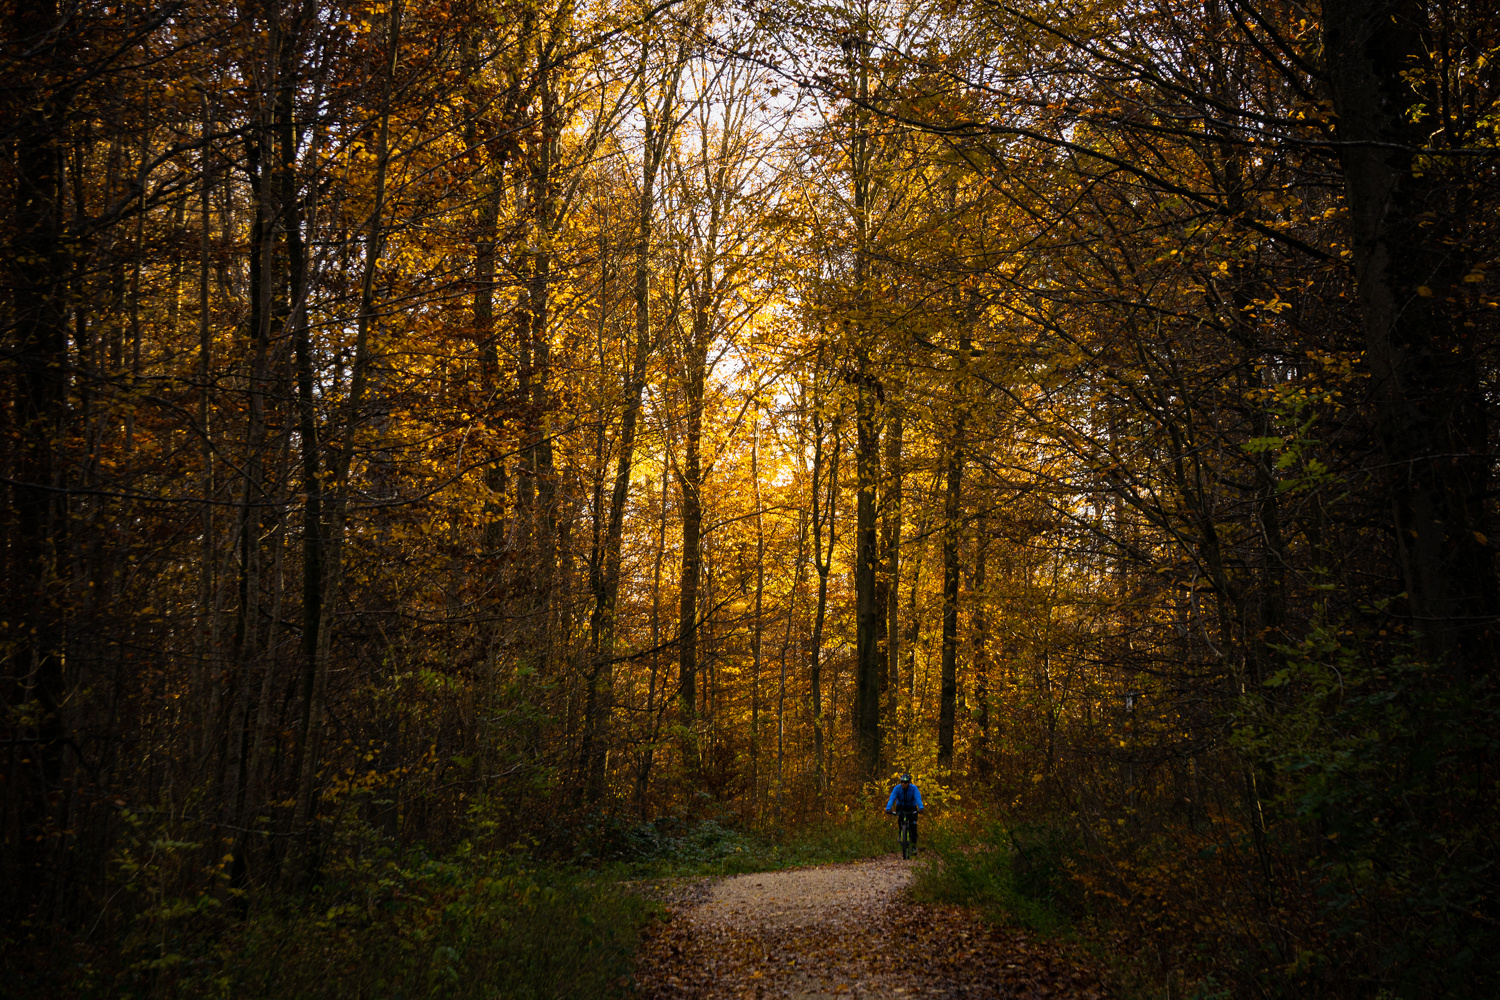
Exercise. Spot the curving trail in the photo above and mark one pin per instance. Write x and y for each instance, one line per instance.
(842, 931)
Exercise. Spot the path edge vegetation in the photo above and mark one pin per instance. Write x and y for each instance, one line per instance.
(487, 919)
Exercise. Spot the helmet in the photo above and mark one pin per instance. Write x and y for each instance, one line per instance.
(906, 776)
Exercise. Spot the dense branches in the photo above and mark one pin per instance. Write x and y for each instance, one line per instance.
(415, 409)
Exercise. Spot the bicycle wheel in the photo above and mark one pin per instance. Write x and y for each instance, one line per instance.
(903, 828)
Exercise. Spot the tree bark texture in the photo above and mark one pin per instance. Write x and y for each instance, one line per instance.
(1428, 392)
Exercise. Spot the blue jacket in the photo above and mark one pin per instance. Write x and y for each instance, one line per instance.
(905, 798)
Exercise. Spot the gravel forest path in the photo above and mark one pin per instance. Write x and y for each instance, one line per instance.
(841, 931)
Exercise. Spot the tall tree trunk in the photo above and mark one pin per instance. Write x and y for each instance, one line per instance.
(786, 645)
(913, 632)
(952, 534)
(1428, 387)
(658, 130)
(690, 479)
(869, 612)
(493, 522)
(534, 319)
(203, 648)
(947, 706)
(822, 512)
(653, 715)
(759, 625)
(252, 510)
(286, 39)
(980, 627)
(39, 300)
(493, 527)
(888, 584)
(341, 460)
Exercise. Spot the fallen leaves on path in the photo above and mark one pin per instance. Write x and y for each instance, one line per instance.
(844, 931)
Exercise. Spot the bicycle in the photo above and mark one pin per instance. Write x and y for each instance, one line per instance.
(905, 833)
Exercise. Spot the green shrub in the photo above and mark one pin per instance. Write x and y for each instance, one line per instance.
(429, 930)
(1039, 872)
(669, 847)
(1385, 785)
(1011, 874)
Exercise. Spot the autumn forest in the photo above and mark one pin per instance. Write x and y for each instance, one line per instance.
(496, 426)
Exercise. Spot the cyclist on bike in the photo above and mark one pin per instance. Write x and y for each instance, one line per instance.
(906, 799)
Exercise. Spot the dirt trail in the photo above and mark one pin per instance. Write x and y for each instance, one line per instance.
(845, 931)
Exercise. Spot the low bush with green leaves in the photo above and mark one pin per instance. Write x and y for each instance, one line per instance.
(672, 847)
(463, 929)
(1011, 873)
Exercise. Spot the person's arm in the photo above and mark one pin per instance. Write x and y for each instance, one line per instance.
(919, 797)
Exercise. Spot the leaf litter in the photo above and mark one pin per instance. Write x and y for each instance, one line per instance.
(843, 931)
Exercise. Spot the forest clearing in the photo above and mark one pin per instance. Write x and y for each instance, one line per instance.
(464, 460)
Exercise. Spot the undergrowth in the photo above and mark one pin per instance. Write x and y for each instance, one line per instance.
(670, 847)
(496, 923)
(459, 928)
(1010, 873)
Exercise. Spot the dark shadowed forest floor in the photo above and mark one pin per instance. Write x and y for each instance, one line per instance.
(841, 930)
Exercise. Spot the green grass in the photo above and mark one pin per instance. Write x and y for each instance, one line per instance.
(469, 926)
(1018, 874)
(469, 929)
(709, 848)
(1011, 874)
